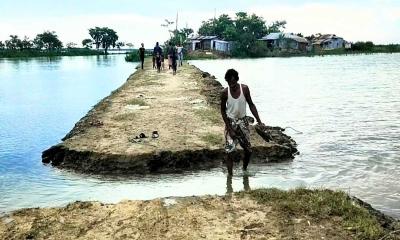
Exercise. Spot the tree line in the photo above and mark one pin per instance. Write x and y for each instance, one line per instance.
(48, 42)
(244, 29)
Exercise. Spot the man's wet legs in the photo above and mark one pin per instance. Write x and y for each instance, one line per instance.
(229, 188)
(246, 160)
(229, 163)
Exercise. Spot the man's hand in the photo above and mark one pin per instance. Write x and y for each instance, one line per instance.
(261, 124)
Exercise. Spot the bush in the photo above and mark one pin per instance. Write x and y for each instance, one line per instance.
(132, 57)
(363, 46)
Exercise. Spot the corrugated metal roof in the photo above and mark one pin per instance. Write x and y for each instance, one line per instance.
(296, 38)
(202, 37)
(275, 36)
(272, 36)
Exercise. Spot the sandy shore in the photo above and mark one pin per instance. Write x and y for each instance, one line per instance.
(182, 108)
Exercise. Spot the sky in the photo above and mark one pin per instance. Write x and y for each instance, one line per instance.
(140, 21)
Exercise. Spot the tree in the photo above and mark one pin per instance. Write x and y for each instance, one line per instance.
(106, 37)
(186, 32)
(362, 46)
(119, 45)
(243, 29)
(218, 27)
(26, 43)
(87, 43)
(97, 35)
(71, 45)
(14, 43)
(180, 36)
(48, 40)
(2, 45)
(248, 30)
(207, 28)
(109, 39)
(277, 26)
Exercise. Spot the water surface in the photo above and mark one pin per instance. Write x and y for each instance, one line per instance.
(347, 107)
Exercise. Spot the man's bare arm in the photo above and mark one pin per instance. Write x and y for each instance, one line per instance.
(224, 99)
(252, 106)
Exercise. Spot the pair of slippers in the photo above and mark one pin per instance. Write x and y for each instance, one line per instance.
(141, 136)
(153, 135)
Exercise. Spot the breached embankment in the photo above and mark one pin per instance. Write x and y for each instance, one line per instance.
(183, 109)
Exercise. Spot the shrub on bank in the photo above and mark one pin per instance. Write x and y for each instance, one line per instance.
(133, 56)
(324, 205)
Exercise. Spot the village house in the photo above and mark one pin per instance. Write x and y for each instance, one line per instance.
(285, 41)
(208, 43)
(328, 42)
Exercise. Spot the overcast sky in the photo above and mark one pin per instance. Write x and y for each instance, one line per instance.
(140, 21)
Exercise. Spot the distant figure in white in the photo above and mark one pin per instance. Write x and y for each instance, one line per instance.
(180, 54)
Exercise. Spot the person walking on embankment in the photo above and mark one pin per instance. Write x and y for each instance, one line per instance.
(157, 51)
(174, 57)
(179, 49)
(233, 111)
(141, 54)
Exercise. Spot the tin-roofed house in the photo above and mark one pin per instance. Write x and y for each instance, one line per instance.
(210, 43)
(285, 41)
(328, 42)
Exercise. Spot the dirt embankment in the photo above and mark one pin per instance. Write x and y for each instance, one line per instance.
(182, 108)
(257, 214)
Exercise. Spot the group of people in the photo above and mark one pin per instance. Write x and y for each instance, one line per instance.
(174, 54)
(234, 99)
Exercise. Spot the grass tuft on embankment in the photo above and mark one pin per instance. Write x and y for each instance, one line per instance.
(136, 101)
(321, 205)
(212, 139)
(210, 115)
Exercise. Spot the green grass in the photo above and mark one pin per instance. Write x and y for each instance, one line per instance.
(212, 139)
(136, 101)
(124, 117)
(321, 204)
(210, 115)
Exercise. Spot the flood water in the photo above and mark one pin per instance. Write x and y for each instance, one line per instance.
(347, 108)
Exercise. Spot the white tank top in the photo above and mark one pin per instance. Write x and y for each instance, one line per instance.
(236, 107)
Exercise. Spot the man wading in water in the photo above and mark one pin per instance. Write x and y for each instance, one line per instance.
(233, 110)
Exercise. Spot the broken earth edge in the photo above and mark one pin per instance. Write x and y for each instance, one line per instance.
(157, 161)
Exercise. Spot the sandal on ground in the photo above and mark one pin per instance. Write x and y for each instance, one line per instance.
(155, 134)
(142, 135)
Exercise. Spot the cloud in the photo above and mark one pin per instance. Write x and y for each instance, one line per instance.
(129, 27)
(354, 23)
(378, 21)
